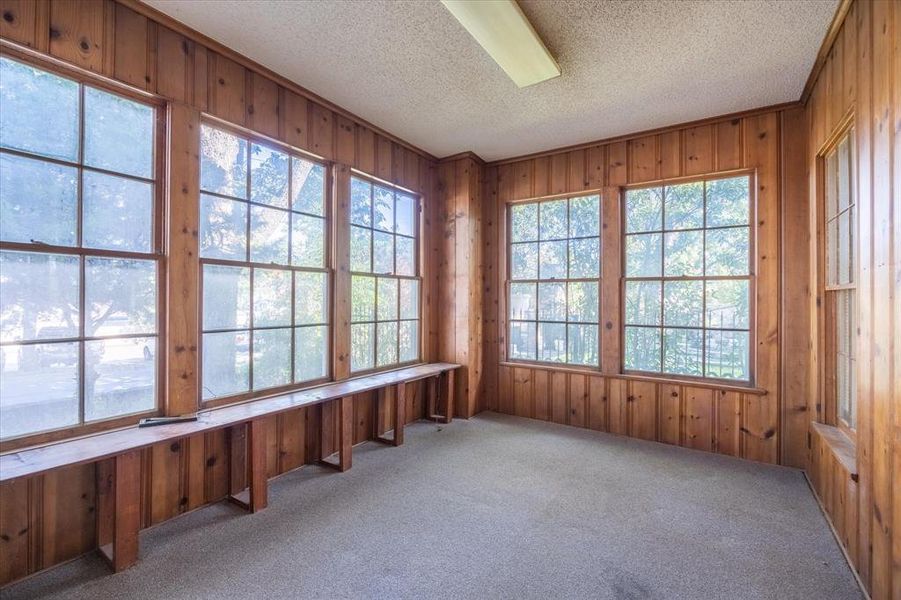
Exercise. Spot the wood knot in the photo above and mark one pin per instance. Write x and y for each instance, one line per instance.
(250, 109)
(183, 501)
(179, 348)
(221, 81)
(761, 135)
(608, 325)
(184, 47)
(769, 433)
(8, 16)
(210, 461)
(4, 537)
(175, 447)
(84, 44)
(674, 394)
(54, 33)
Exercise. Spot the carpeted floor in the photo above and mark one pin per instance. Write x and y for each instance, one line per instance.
(494, 507)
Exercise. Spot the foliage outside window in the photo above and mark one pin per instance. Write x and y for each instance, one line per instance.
(78, 271)
(385, 281)
(688, 279)
(263, 258)
(555, 250)
(841, 285)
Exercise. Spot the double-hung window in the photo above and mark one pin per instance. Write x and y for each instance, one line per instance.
(688, 281)
(265, 282)
(79, 253)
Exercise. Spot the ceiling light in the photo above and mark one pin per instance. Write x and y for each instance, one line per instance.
(501, 28)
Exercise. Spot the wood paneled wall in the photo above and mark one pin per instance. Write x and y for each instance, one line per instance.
(862, 75)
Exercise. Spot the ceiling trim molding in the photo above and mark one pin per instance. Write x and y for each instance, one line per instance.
(465, 154)
(197, 37)
(838, 19)
(666, 129)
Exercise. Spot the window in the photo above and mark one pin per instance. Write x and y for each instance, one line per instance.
(688, 279)
(265, 317)
(384, 267)
(841, 286)
(79, 301)
(554, 266)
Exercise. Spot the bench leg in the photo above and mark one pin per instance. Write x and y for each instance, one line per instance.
(248, 466)
(400, 412)
(449, 397)
(432, 392)
(345, 435)
(119, 509)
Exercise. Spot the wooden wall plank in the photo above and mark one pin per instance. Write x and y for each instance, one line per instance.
(541, 391)
(729, 145)
(262, 105)
(617, 407)
(642, 402)
(597, 403)
(699, 410)
(345, 143)
(559, 397)
(522, 392)
(227, 89)
(578, 400)
(77, 32)
(14, 528)
(698, 150)
(728, 422)
(131, 48)
(669, 154)
(175, 52)
(670, 413)
(643, 159)
(18, 21)
(617, 164)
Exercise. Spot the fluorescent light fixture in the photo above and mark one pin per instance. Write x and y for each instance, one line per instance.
(501, 28)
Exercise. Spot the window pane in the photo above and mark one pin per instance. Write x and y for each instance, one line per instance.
(118, 134)
(682, 351)
(844, 248)
(405, 207)
(728, 251)
(409, 341)
(552, 301)
(523, 340)
(644, 210)
(643, 303)
(683, 303)
(409, 299)
(223, 228)
(727, 354)
(683, 254)
(307, 241)
(522, 301)
(360, 249)
(727, 201)
(584, 258)
(268, 176)
(118, 213)
(383, 208)
(271, 298)
(552, 342)
(119, 377)
(406, 259)
(844, 175)
(310, 353)
(832, 252)
(386, 299)
(310, 298)
(38, 388)
(223, 163)
(524, 261)
(382, 252)
(38, 297)
(583, 345)
(268, 235)
(36, 102)
(361, 202)
(727, 304)
(226, 297)
(387, 343)
(831, 185)
(271, 358)
(642, 351)
(684, 205)
(38, 201)
(120, 296)
(524, 222)
(552, 263)
(226, 360)
(553, 222)
(643, 255)
(583, 302)
(362, 298)
(308, 186)
(584, 216)
(362, 346)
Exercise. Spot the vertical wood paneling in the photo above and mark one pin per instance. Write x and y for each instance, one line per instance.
(18, 21)
(642, 403)
(728, 422)
(698, 150)
(728, 145)
(541, 393)
(522, 392)
(669, 154)
(578, 400)
(559, 397)
(670, 414)
(643, 159)
(617, 407)
(131, 63)
(175, 53)
(699, 410)
(617, 163)
(597, 403)
(77, 32)
(262, 105)
(227, 88)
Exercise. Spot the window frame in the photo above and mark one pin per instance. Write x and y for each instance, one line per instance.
(751, 277)
(253, 137)
(157, 254)
(509, 281)
(417, 276)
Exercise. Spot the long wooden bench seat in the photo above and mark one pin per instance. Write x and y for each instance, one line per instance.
(118, 452)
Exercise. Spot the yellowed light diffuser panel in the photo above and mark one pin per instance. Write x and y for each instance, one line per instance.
(502, 29)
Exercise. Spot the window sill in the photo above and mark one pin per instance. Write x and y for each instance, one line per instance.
(839, 444)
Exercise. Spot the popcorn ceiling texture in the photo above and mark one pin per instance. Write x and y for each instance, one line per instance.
(410, 68)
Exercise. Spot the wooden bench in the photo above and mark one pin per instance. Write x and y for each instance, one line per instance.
(119, 458)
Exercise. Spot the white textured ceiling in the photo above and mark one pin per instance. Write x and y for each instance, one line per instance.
(410, 68)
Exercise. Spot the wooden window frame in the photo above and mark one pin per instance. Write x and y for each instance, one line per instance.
(252, 137)
(417, 269)
(508, 281)
(751, 277)
(157, 253)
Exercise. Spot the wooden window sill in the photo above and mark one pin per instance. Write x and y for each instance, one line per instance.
(840, 445)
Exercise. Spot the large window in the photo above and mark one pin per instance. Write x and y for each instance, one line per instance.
(385, 281)
(79, 306)
(841, 283)
(554, 266)
(688, 279)
(263, 249)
